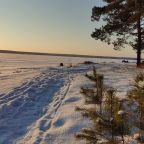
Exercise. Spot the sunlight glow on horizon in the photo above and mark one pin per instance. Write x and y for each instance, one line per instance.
(52, 26)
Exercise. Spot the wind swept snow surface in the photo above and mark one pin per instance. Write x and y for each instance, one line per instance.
(38, 98)
(55, 118)
(31, 109)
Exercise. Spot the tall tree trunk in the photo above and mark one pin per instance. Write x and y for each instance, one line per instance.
(111, 109)
(139, 43)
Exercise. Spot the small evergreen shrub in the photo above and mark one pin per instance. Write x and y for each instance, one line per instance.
(108, 120)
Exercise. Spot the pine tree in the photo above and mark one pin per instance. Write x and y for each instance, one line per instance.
(107, 123)
(122, 24)
(96, 95)
(137, 94)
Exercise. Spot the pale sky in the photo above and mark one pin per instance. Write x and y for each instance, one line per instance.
(52, 26)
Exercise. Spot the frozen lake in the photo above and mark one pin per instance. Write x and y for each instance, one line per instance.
(38, 98)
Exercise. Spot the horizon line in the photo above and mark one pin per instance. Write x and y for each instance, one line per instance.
(65, 55)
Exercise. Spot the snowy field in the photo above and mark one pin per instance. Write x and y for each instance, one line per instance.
(38, 98)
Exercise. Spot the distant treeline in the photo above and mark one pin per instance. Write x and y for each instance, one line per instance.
(64, 55)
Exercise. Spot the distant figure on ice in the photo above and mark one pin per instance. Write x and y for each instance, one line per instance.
(61, 64)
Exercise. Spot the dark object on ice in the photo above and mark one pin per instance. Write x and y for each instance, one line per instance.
(61, 64)
(70, 65)
(88, 62)
(124, 61)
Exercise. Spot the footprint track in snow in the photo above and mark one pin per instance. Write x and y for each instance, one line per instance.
(35, 101)
(28, 101)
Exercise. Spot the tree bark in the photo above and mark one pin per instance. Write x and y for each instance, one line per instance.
(139, 43)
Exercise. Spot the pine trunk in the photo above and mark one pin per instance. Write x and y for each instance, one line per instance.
(139, 43)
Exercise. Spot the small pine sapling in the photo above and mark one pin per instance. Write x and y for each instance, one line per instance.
(107, 123)
(97, 95)
(136, 94)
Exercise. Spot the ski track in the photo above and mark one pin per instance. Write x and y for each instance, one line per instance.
(35, 101)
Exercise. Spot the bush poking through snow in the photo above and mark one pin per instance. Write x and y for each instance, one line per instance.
(137, 94)
(110, 121)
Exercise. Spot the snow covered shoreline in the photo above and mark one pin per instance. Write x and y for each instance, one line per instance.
(38, 98)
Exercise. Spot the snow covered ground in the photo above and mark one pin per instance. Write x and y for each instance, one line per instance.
(38, 98)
